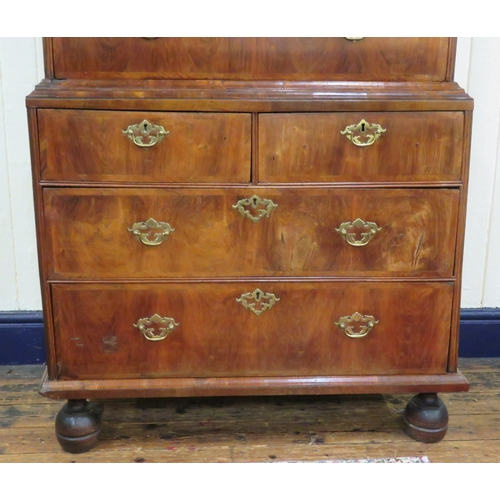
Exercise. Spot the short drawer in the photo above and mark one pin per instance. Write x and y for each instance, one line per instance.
(251, 329)
(260, 58)
(152, 233)
(121, 146)
(360, 147)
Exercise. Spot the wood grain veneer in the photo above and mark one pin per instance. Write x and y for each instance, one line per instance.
(249, 96)
(87, 233)
(249, 116)
(90, 145)
(251, 386)
(309, 147)
(371, 59)
(296, 337)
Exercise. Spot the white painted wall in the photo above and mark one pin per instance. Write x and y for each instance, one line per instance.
(481, 285)
(21, 67)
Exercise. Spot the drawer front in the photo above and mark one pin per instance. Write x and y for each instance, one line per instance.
(205, 330)
(370, 59)
(360, 147)
(125, 146)
(90, 233)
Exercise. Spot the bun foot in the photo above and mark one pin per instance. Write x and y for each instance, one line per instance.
(78, 425)
(426, 418)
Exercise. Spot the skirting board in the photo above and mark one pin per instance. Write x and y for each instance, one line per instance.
(21, 338)
(22, 342)
(479, 333)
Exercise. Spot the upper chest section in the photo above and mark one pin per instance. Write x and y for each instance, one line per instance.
(422, 59)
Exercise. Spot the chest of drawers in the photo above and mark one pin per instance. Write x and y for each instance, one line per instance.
(254, 216)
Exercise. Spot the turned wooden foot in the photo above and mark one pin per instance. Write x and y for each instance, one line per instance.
(426, 418)
(78, 425)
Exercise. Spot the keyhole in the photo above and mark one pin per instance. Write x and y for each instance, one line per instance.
(254, 202)
(362, 127)
(257, 295)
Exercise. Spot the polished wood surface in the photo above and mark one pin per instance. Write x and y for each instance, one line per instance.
(250, 386)
(370, 59)
(87, 233)
(250, 116)
(253, 429)
(78, 425)
(459, 247)
(309, 147)
(426, 418)
(243, 96)
(90, 146)
(217, 336)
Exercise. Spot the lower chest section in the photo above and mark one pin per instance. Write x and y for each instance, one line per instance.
(224, 245)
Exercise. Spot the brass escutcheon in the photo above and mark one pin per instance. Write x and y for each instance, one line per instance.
(369, 228)
(360, 134)
(255, 202)
(141, 230)
(138, 132)
(345, 324)
(258, 301)
(166, 326)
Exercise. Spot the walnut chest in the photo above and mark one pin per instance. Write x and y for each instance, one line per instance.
(249, 216)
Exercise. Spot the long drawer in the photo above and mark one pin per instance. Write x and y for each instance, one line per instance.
(290, 58)
(360, 147)
(153, 233)
(126, 146)
(250, 329)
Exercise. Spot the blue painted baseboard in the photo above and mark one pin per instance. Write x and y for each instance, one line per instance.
(22, 342)
(21, 338)
(479, 333)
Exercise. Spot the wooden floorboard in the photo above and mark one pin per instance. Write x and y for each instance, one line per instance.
(258, 429)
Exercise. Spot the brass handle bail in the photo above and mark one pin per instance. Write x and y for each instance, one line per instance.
(142, 230)
(350, 230)
(166, 326)
(365, 323)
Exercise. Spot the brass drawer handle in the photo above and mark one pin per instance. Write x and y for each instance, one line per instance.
(354, 38)
(255, 202)
(349, 233)
(365, 323)
(142, 230)
(363, 134)
(139, 132)
(258, 301)
(166, 326)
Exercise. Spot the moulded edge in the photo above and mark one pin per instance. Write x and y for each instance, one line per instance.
(251, 386)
